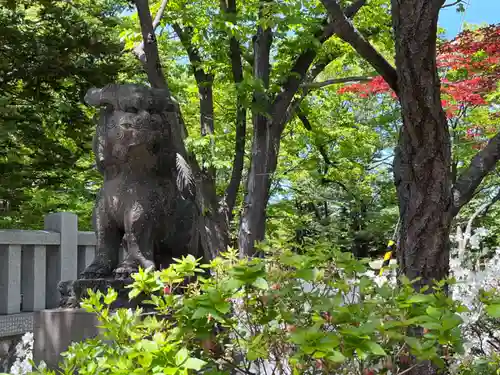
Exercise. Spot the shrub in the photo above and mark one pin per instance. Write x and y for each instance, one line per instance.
(313, 313)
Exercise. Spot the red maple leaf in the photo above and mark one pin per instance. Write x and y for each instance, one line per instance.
(469, 65)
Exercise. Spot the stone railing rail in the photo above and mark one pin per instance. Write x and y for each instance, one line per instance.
(32, 262)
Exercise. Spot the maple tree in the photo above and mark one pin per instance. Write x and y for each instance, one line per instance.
(469, 66)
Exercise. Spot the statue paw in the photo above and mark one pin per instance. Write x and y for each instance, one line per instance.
(96, 270)
(148, 264)
(125, 270)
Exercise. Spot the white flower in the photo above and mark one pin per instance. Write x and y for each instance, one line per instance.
(482, 232)
(27, 338)
(471, 279)
(24, 353)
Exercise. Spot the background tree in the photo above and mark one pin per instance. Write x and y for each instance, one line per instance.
(209, 58)
(202, 33)
(51, 52)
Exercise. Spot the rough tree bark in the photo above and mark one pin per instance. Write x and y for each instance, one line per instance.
(422, 162)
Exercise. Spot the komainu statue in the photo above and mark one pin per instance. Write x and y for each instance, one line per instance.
(143, 205)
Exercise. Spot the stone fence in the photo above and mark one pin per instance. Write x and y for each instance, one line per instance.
(32, 262)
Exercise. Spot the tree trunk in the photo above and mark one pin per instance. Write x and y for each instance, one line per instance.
(204, 82)
(423, 155)
(269, 127)
(422, 163)
(264, 153)
(241, 114)
(151, 63)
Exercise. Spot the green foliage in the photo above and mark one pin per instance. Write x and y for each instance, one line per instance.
(53, 51)
(298, 311)
(335, 180)
(45, 128)
(481, 366)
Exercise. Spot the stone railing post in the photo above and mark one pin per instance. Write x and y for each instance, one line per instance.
(61, 260)
(10, 279)
(34, 273)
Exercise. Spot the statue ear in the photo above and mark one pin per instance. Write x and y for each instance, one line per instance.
(93, 97)
(100, 97)
(159, 100)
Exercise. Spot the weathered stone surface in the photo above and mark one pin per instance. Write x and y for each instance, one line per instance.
(55, 330)
(145, 202)
(16, 324)
(73, 292)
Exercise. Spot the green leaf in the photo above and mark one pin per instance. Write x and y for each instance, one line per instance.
(375, 348)
(181, 356)
(336, 357)
(493, 311)
(253, 355)
(134, 293)
(170, 370)
(194, 364)
(431, 325)
(231, 284)
(145, 359)
(434, 312)
(308, 274)
(261, 283)
(223, 307)
(110, 296)
(451, 321)
(420, 298)
(149, 346)
(413, 343)
(200, 312)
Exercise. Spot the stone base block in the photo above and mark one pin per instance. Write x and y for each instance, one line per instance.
(55, 330)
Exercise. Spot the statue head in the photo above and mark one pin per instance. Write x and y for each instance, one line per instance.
(133, 127)
(130, 98)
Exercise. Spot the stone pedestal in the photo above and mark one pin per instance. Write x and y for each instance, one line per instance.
(55, 330)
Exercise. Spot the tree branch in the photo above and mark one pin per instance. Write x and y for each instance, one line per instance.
(452, 4)
(262, 42)
(347, 32)
(307, 124)
(482, 164)
(241, 114)
(316, 69)
(204, 81)
(299, 70)
(495, 199)
(152, 64)
(139, 49)
(463, 237)
(318, 85)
